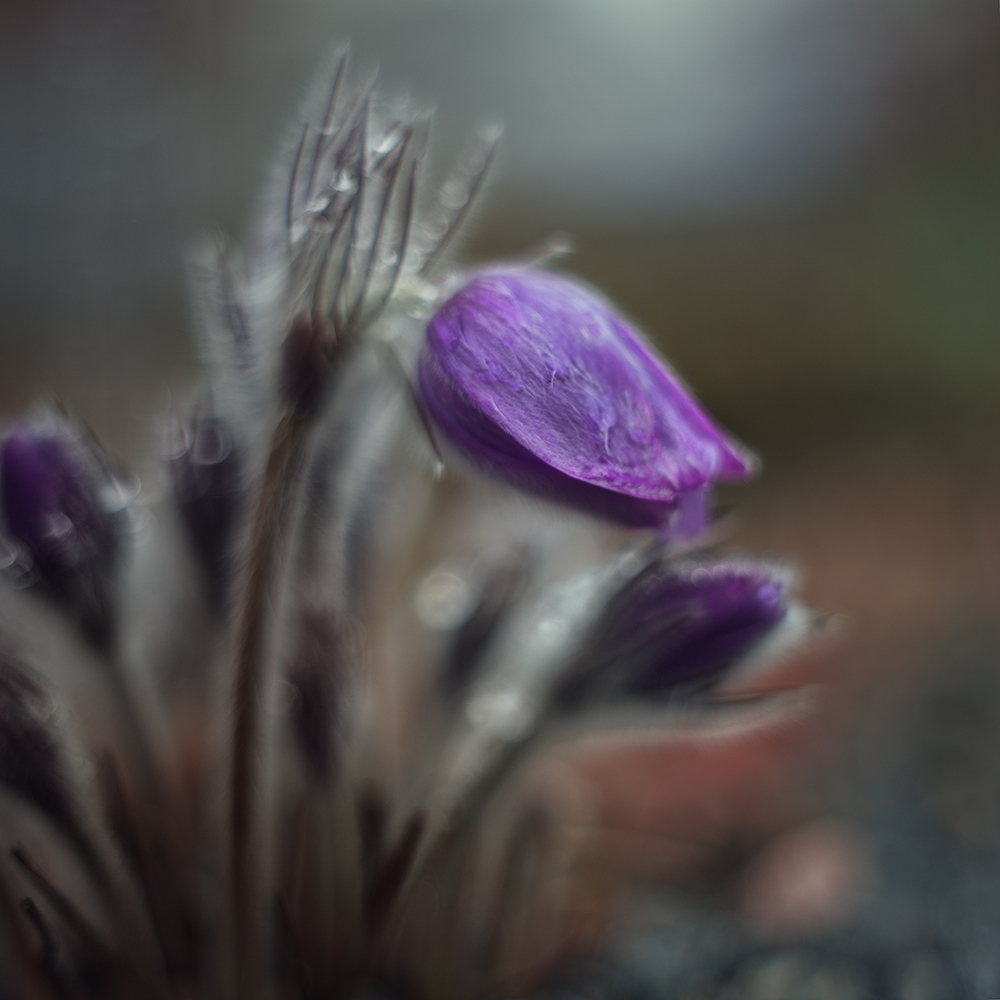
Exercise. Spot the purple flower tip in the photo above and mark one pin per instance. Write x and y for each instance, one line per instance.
(50, 506)
(701, 618)
(537, 379)
(679, 625)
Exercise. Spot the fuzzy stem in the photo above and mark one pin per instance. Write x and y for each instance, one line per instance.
(27, 971)
(444, 834)
(252, 647)
(135, 733)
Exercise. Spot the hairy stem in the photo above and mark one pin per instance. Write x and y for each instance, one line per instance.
(28, 970)
(135, 731)
(252, 649)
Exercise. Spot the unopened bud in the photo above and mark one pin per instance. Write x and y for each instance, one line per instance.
(63, 507)
(678, 626)
(535, 378)
(205, 468)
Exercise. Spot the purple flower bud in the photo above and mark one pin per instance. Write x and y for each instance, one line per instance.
(678, 626)
(51, 505)
(537, 379)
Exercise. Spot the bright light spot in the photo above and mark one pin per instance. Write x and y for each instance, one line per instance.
(443, 600)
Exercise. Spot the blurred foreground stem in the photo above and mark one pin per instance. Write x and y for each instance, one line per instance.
(253, 620)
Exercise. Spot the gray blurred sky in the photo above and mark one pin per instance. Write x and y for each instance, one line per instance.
(129, 124)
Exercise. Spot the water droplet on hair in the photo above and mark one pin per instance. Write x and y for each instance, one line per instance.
(443, 600)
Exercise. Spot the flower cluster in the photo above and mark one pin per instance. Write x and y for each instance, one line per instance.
(423, 526)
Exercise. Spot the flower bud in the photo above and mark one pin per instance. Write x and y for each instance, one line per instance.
(205, 468)
(535, 378)
(51, 485)
(678, 626)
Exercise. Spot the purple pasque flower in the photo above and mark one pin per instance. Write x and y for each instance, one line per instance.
(536, 378)
(50, 504)
(678, 625)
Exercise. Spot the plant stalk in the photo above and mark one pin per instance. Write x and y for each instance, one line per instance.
(252, 651)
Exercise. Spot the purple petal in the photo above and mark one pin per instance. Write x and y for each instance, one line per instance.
(698, 620)
(537, 379)
(49, 504)
(679, 625)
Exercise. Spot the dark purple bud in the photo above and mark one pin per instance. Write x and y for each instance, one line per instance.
(313, 676)
(678, 626)
(536, 378)
(205, 467)
(61, 505)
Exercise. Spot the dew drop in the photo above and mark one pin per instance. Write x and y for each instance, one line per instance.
(443, 600)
